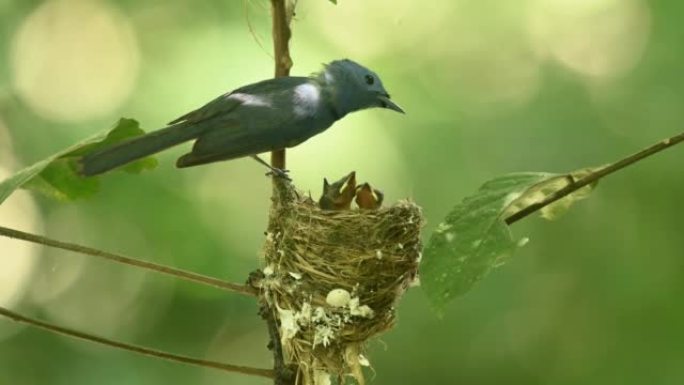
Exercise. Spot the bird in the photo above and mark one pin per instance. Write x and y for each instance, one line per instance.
(338, 195)
(368, 198)
(268, 115)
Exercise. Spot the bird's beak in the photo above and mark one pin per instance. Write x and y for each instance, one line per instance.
(385, 102)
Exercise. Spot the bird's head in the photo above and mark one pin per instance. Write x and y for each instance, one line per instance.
(355, 87)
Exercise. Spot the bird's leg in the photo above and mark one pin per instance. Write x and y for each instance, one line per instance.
(274, 171)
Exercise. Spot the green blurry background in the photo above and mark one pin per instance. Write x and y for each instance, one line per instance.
(490, 87)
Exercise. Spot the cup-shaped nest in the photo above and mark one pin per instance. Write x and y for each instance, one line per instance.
(332, 279)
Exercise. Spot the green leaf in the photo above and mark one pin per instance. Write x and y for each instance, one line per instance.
(556, 209)
(140, 165)
(123, 130)
(473, 238)
(59, 180)
(540, 191)
(9, 185)
(334, 1)
(57, 175)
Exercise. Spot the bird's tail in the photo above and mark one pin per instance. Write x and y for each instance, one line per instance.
(125, 152)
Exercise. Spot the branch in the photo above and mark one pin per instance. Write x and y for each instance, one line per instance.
(595, 176)
(136, 349)
(177, 273)
(284, 374)
(283, 62)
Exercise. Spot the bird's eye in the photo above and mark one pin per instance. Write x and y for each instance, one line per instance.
(370, 80)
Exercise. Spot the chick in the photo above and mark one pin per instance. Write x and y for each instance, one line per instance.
(338, 195)
(368, 198)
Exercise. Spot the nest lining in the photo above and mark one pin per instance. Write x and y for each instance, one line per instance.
(313, 257)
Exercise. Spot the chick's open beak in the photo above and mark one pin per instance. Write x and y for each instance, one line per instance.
(385, 102)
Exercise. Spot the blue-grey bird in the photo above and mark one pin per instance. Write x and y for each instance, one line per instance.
(265, 116)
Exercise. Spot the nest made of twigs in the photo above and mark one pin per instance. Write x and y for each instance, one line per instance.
(332, 278)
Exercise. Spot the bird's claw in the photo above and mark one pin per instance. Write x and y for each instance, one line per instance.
(279, 173)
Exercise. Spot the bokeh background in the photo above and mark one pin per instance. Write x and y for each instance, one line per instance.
(490, 87)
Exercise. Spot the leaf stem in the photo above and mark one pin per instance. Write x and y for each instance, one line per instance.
(133, 348)
(177, 273)
(595, 176)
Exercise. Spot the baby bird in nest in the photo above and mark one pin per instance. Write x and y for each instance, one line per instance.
(338, 195)
(368, 198)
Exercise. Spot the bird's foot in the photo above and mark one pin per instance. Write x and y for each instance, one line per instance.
(276, 172)
(279, 173)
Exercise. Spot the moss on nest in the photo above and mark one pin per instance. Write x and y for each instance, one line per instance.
(332, 278)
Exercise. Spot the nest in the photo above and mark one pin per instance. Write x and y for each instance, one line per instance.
(332, 279)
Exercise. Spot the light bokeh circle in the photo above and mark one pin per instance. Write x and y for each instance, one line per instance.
(596, 38)
(74, 60)
(19, 258)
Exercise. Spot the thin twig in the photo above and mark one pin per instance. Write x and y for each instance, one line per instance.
(252, 31)
(133, 348)
(283, 61)
(595, 176)
(177, 273)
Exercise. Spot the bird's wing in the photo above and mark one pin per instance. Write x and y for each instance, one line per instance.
(232, 143)
(268, 86)
(217, 106)
(255, 126)
(231, 140)
(250, 94)
(195, 159)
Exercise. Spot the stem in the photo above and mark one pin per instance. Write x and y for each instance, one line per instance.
(284, 375)
(283, 62)
(136, 349)
(595, 176)
(177, 273)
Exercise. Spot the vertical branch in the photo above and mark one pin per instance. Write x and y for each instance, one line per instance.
(281, 52)
(282, 15)
(284, 374)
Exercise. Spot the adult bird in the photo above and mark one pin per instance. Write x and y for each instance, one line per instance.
(265, 116)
